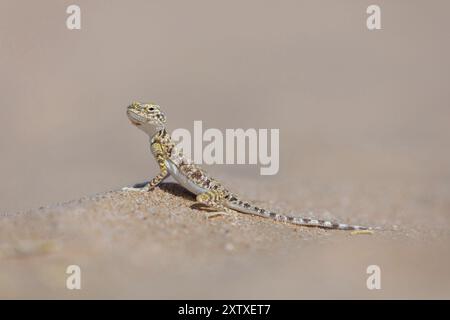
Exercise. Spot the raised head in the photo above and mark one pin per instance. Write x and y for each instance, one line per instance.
(146, 116)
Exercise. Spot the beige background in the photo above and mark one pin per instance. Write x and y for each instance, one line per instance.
(363, 115)
(310, 68)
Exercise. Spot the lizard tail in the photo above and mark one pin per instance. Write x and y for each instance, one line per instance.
(246, 207)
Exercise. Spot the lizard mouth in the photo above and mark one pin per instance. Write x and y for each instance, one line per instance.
(134, 118)
(135, 122)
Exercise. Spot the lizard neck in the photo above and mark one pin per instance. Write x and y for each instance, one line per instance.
(160, 134)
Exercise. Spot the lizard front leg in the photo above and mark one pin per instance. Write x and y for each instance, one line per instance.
(158, 151)
(160, 156)
(215, 200)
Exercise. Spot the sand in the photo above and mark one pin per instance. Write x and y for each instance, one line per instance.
(159, 245)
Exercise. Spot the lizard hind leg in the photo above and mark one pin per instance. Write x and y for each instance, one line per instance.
(214, 200)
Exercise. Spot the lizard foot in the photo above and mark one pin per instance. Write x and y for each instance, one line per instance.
(132, 189)
(139, 187)
(213, 215)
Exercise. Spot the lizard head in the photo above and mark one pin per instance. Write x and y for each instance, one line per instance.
(147, 117)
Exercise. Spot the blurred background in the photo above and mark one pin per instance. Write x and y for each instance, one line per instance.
(351, 104)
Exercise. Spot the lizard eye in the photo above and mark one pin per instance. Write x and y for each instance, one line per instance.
(151, 108)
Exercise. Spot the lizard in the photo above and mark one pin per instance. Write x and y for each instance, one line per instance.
(209, 192)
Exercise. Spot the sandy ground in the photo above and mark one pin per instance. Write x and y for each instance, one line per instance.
(156, 245)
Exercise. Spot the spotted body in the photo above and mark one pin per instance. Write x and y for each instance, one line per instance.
(209, 192)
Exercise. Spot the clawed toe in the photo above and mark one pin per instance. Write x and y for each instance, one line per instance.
(213, 215)
(133, 189)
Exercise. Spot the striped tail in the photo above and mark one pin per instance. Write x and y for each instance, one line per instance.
(246, 207)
